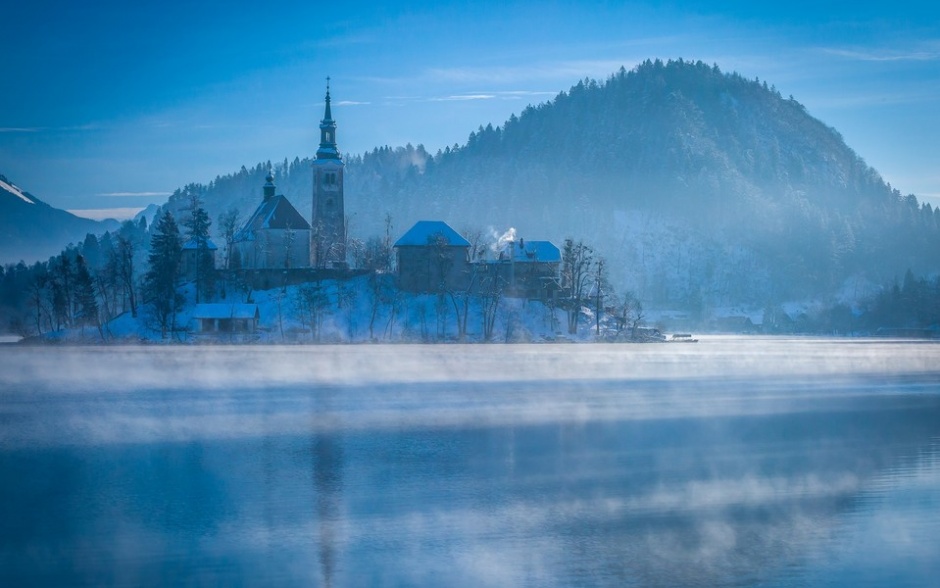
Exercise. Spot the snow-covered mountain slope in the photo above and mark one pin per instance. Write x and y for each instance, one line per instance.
(31, 230)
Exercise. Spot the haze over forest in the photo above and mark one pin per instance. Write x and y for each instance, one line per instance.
(698, 186)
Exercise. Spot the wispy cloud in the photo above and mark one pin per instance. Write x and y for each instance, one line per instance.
(351, 103)
(463, 97)
(472, 96)
(930, 52)
(65, 129)
(872, 99)
(558, 71)
(133, 194)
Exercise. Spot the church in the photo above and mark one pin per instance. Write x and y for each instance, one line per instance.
(276, 236)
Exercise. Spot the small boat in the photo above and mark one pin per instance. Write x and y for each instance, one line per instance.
(682, 338)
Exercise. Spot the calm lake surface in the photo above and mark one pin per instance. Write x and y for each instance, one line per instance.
(731, 462)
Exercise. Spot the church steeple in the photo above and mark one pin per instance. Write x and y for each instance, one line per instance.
(327, 148)
(328, 237)
(269, 186)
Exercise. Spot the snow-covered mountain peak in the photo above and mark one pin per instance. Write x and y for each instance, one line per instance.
(12, 189)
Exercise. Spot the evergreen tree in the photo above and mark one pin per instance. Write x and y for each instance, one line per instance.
(85, 296)
(166, 247)
(197, 224)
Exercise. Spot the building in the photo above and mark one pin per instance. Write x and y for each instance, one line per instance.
(275, 236)
(432, 256)
(526, 269)
(188, 266)
(328, 223)
(226, 318)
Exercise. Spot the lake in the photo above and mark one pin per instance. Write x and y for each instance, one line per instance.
(737, 461)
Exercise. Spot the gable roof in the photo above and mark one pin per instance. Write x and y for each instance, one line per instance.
(424, 232)
(273, 213)
(523, 251)
(226, 311)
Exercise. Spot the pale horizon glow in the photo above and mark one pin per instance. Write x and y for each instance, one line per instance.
(119, 214)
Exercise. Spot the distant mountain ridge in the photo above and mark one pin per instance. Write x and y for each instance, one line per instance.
(31, 230)
(700, 188)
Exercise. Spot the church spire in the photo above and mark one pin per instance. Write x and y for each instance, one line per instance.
(327, 115)
(327, 148)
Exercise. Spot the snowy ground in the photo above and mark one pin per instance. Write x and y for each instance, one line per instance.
(349, 312)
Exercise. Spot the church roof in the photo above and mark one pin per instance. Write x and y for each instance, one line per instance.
(424, 232)
(273, 213)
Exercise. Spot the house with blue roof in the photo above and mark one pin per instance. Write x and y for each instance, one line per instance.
(432, 257)
(525, 269)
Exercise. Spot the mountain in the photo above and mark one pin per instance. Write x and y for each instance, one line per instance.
(700, 187)
(31, 230)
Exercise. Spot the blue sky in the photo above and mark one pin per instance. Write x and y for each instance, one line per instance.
(115, 106)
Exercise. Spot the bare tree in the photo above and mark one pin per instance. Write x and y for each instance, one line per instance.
(601, 288)
(229, 222)
(577, 260)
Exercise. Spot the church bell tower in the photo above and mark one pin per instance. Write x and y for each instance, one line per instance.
(328, 234)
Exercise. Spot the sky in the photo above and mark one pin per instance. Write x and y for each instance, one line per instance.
(104, 110)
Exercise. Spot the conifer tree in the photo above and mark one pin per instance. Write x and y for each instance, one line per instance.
(197, 233)
(85, 296)
(166, 247)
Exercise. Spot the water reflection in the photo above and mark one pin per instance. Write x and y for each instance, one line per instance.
(328, 485)
(829, 478)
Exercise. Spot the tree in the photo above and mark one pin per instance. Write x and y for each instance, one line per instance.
(62, 287)
(85, 296)
(123, 263)
(601, 288)
(166, 246)
(576, 263)
(228, 223)
(197, 224)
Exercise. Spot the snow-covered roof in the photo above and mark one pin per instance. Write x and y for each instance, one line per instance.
(523, 251)
(226, 311)
(273, 213)
(192, 244)
(423, 233)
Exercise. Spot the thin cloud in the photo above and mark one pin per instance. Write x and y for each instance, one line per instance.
(565, 70)
(351, 103)
(463, 97)
(931, 54)
(133, 194)
(71, 128)
(873, 99)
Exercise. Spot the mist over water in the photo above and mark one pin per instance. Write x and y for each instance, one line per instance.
(736, 461)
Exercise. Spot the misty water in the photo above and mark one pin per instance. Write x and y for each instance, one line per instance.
(731, 462)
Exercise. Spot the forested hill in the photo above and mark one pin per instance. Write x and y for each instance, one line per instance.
(698, 186)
